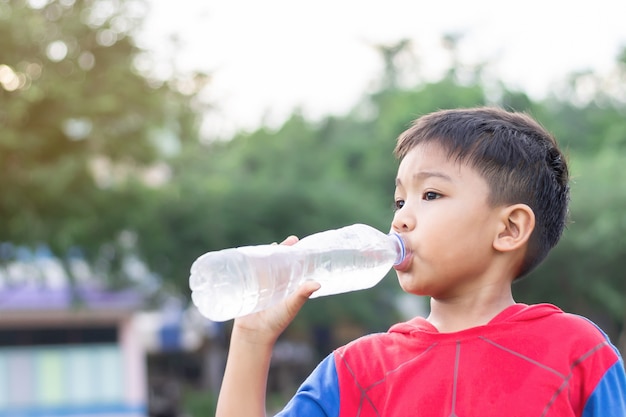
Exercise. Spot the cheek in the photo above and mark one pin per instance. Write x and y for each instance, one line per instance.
(445, 252)
(466, 227)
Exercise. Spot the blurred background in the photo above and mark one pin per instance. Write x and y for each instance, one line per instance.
(136, 135)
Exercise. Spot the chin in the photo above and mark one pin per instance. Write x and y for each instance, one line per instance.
(421, 292)
(410, 286)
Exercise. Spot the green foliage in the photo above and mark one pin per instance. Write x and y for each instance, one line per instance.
(255, 189)
(395, 109)
(79, 121)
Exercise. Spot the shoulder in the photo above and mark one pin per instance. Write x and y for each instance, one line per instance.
(583, 326)
(548, 322)
(373, 364)
(579, 330)
(394, 340)
(373, 355)
(365, 347)
(586, 347)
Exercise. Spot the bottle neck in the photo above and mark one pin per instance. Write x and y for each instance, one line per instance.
(399, 246)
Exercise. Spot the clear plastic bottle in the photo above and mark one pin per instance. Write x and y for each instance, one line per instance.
(234, 282)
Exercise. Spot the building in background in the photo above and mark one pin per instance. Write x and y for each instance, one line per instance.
(67, 349)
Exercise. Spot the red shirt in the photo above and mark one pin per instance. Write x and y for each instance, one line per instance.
(528, 361)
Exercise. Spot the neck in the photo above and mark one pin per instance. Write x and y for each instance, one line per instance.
(454, 314)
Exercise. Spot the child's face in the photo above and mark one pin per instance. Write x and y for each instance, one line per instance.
(445, 219)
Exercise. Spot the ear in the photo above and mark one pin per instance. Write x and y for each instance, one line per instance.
(516, 223)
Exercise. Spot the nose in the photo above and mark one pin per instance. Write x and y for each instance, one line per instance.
(403, 220)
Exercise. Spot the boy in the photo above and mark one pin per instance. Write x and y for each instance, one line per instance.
(481, 198)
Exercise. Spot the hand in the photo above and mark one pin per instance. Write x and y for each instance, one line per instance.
(265, 326)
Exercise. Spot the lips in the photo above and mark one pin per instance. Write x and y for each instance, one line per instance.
(406, 262)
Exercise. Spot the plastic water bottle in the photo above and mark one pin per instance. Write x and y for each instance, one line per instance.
(234, 282)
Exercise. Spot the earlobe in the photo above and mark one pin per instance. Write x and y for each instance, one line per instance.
(517, 223)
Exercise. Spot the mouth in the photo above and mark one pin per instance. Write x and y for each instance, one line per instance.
(406, 262)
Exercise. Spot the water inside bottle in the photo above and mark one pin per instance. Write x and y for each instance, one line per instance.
(346, 270)
(219, 288)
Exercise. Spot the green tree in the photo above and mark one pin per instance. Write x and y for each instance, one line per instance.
(81, 121)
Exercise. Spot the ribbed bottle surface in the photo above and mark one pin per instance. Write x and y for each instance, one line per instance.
(239, 281)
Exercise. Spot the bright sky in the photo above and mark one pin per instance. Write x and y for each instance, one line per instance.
(268, 57)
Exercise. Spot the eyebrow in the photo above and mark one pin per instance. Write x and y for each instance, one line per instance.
(423, 175)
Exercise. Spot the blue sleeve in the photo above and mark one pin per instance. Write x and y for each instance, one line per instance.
(609, 397)
(318, 396)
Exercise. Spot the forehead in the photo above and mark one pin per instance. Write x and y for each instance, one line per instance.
(427, 156)
(431, 160)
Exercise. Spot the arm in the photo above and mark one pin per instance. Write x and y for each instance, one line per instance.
(609, 397)
(319, 393)
(246, 372)
(252, 340)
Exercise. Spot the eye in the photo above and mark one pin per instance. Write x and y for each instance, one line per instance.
(398, 204)
(431, 195)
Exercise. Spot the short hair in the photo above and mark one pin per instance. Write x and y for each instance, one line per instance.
(518, 158)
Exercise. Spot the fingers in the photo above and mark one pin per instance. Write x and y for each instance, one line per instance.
(291, 240)
(297, 300)
(303, 293)
(307, 288)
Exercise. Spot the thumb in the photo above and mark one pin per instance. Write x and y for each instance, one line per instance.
(301, 296)
(307, 288)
